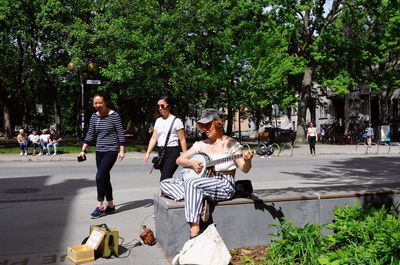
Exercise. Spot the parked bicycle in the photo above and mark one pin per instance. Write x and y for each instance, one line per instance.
(275, 142)
(361, 146)
(268, 150)
(274, 149)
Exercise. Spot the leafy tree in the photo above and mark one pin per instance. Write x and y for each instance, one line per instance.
(301, 24)
(363, 43)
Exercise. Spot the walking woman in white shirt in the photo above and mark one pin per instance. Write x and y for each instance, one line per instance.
(312, 137)
(159, 136)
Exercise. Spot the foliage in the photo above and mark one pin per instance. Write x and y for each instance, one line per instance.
(297, 245)
(359, 236)
(235, 55)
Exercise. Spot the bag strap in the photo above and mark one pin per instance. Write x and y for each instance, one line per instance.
(166, 140)
(169, 132)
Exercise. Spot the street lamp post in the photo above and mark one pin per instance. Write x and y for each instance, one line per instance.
(82, 82)
(89, 68)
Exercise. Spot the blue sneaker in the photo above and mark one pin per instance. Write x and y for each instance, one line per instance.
(98, 212)
(109, 210)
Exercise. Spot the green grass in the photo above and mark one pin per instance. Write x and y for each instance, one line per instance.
(68, 145)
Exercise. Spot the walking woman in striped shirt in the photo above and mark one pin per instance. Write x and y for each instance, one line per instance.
(219, 184)
(105, 128)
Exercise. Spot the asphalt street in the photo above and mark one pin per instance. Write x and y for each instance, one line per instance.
(45, 201)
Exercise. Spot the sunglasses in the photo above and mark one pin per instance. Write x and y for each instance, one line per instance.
(161, 106)
(205, 126)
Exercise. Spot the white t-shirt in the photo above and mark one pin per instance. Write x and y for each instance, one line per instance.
(45, 137)
(162, 126)
(33, 137)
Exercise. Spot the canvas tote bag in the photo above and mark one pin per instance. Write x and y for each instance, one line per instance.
(208, 248)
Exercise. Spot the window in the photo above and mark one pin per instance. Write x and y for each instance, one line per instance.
(364, 107)
(323, 110)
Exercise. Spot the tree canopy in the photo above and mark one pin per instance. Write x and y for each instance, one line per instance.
(234, 55)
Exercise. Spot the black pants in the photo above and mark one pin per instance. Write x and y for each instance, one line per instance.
(311, 141)
(104, 161)
(169, 166)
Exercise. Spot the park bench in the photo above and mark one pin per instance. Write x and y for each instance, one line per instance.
(246, 222)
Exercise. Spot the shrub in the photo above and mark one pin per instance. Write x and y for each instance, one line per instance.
(359, 236)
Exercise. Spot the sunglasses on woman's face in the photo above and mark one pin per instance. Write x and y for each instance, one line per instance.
(161, 106)
(206, 126)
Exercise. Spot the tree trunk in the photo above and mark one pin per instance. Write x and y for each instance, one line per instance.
(57, 117)
(301, 121)
(7, 122)
(6, 114)
(304, 104)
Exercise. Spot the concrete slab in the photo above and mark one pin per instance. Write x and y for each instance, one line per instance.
(250, 222)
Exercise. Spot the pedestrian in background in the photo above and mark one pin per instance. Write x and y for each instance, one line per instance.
(44, 140)
(105, 128)
(22, 140)
(34, 140)
(312, 137)
(159, 136)
(54, 141)
(369, 133)
(322, 135)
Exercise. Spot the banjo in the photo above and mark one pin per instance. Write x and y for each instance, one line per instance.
(208, 164)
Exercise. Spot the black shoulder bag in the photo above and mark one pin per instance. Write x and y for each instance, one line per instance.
(158, 161)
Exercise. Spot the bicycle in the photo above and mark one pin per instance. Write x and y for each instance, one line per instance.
(363, 147)
(269, 150)
(286, 149)
(385, 145)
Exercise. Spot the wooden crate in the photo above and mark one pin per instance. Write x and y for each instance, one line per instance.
(79, 254)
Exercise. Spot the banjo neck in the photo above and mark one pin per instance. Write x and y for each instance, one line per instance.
(223, 160)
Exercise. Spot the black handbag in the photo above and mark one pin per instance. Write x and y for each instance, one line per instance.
(244, 188)
(158, 161)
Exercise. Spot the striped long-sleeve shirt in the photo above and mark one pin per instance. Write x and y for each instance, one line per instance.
(107, 131)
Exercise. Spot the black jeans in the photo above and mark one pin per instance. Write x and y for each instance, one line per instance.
(311, 141)
(169, 166)
(104, 161)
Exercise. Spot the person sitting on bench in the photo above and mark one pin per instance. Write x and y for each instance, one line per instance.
(198, 183)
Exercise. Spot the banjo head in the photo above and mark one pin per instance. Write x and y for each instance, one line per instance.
(203, 158)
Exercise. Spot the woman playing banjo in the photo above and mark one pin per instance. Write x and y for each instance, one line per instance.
(218, 183)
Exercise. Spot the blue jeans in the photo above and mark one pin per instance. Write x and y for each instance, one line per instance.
(34, 145)
(54, 145)
(104, 161)
(23, 147)
(43, 145)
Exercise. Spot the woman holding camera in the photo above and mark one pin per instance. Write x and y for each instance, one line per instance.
(105, 128)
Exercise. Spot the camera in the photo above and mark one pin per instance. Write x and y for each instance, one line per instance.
(81, 159)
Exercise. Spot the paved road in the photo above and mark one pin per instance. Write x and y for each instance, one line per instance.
(45, 201)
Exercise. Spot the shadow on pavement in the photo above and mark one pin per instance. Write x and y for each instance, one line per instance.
(354, 171)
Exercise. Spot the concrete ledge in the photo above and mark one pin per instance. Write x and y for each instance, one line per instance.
(246, 222)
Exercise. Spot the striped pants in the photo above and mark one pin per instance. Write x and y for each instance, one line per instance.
(195, 190)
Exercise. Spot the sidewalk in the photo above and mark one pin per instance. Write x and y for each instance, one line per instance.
(4, 158)
(136, 209)
(298, 150)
